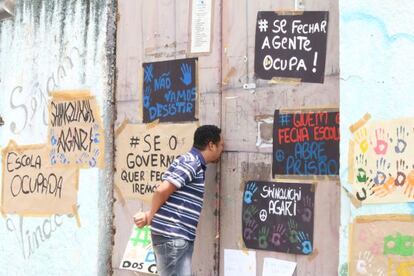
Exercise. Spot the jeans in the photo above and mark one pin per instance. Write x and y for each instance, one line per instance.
(172, 255)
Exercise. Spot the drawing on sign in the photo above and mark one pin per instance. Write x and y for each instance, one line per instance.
(291, 45)
(306, 143)
(381, 166)
(139, 255)
(143, 154)
(278, 216)
(382, 244)
(75, 132)
(170, 90)
(32, 187)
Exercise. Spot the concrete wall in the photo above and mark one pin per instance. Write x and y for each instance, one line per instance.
(57, 45)
(377, 49)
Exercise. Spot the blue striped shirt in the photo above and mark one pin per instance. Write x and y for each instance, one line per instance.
(179, 215)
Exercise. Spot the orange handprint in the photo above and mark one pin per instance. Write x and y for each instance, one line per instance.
(386, 188)
(409, 186)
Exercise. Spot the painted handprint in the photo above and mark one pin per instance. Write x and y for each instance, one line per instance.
(386, 188)
(305, 244)
(306, 211)
(249, 229)
(366, 190)
(263, 237)
(278, 233)
(93, 160)
(250, 190)
(63, 159)
(381, 145)
(382, 165)
(293, 233)
(52, 156)
(249, 213)
(361, 138)
(401, 143)
(364, 262)
(409, 186)
(401, 177)
(186, 71)
(361, 162)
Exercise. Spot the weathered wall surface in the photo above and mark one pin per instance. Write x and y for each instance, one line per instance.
(377, 43)
(247, 135)
(47, 46)
(155, 31)
(158, 30)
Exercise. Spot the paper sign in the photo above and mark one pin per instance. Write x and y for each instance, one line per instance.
(382, 245)
(278, 216)
(76, 135)
(144, 153)
(381, 161)
(276, 267)
(306, 143)
(201, 11)
(291, 45)
(31, 187)
(170, 91)
(139, 255)
(239, 263)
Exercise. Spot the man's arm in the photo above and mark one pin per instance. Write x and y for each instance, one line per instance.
(161, 194)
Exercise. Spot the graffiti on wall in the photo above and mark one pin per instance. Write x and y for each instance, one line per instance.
(29, 105)
(381, 163)
(382, 245)
(278, 216)
(306, 143)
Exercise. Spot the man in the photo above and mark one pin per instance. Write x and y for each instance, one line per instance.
(177, 203)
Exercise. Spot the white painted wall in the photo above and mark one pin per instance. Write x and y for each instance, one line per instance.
(55, 45)
(376, 61)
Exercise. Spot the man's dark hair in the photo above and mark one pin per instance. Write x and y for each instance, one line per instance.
(205, 134)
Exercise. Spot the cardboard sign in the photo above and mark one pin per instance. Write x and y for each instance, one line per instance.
(278, 216)
(170, 90)
(139, 255)
(306, 143)
(291, 45)
(143, 154)
(31, 187)
(382, 245)
(380, 161)
(76, 136)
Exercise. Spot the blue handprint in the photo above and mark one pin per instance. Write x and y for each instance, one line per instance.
(186, 71)
(305, 243)
(250, 190)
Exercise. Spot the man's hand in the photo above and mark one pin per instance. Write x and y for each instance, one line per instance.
(141, 219)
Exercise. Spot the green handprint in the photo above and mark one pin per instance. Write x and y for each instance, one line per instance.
(293, 234)
(249, 213)
(263, 237)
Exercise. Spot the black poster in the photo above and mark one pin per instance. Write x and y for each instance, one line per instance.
(170, 90)
(278, 216)
(306, 143)
(291, 45)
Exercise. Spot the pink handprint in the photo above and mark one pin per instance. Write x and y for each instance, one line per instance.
(381, 145)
